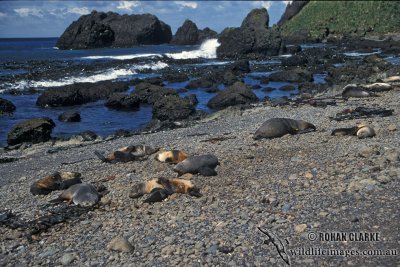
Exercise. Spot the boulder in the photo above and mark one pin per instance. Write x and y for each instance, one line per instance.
(123, 102)
(295, 75)
(236, 94)
(192, 99)
(252, 38)
(70, 116)
(172, 108)
(295, 60)
(35, 130)
(240, 67)
(149, 93)
(287, 87)
(206, 34)
(6, 106)
(187, 34)
(79, 93)
(99, 29)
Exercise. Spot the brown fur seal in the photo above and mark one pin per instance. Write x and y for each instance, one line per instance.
(173, 156)
(353, 90)
(160, 188)
(278, 127)
(126, 154)
(80, 194)
(361, 131)
(378, 87)
(56, 181)
(204, 165)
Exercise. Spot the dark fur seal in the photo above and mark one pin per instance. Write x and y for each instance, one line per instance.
(126, 154)
(278, 127)
(80, 194)
(204, 164)
(353, 90)
(173, 156)
(56, 181)
(160, 188)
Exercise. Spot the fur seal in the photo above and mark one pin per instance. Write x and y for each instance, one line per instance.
(80, 194)
(160, 188)
(378, 87)
(361, 131)
(353, 90)
(278, 127)
(56, 181)
(173, 156)
(204, 164)
(126, 154)
(392, 79)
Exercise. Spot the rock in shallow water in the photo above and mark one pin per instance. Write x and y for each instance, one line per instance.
(34, 130)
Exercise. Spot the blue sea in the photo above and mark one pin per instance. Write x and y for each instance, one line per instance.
(19, 57)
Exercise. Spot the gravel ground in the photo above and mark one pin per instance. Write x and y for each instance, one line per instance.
(293, 186)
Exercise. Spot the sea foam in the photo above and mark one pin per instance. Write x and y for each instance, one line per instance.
(208, 49)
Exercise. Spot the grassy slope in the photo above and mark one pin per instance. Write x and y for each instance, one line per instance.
(346, 17)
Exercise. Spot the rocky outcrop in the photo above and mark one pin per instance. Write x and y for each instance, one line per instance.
(79, 93)
(33, 131)
(69, 116)
(206, 34)
(173, 108)
(149, 93)
(6, 106)
(253, 38)
(187, 34)
(236, 94)
(292, 9)
(99, 29)
(123, 102)
(295, 75)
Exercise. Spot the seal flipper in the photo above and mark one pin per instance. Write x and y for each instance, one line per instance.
(195, 191)
(207, 171)
(100, 156)
(345, 131)
(157, 195)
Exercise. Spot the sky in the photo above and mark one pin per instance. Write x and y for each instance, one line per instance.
(51, 18)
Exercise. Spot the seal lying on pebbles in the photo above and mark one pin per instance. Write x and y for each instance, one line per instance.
(392, 79)
(204, 164)
(126, 154)
(173, 156)
(353, 90)
(80, 194)
(56, 181)
(160, 188)
(361, 131)
(278, 127)
(378, 87)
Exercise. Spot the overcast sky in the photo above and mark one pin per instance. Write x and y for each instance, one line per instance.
(50, 18)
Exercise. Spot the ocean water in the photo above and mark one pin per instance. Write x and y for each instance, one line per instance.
(21, 56)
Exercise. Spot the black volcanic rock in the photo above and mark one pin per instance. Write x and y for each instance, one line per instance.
(295, 75)
(99, 29)
(173, 108)
(291, 10)
(123, 102)
(79, 93)
(35, 130)
(149, 93)
(253, 38)
(187, 34)
(6, 106)
(206, 34)
(70, 116)
(236, 94)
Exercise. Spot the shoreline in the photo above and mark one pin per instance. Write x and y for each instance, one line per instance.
(313, 179)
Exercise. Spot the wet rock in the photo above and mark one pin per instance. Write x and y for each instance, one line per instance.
(70, 116)
(34, 131)
(123, 102)
(6, 106)
(295, 60)
(173, 108)
(287, 88)
(150, 93)
(236, 94)
(240, 67)
(79, 93)
(295, 75)
(120, 244)
(192, 99)
(99, 29)
(85, 136)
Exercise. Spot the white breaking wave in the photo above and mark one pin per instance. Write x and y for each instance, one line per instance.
(110, 74)
(122, 57)
(208, 49)
(356, 54)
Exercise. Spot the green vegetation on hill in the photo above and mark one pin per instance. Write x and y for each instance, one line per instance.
(346, 17)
